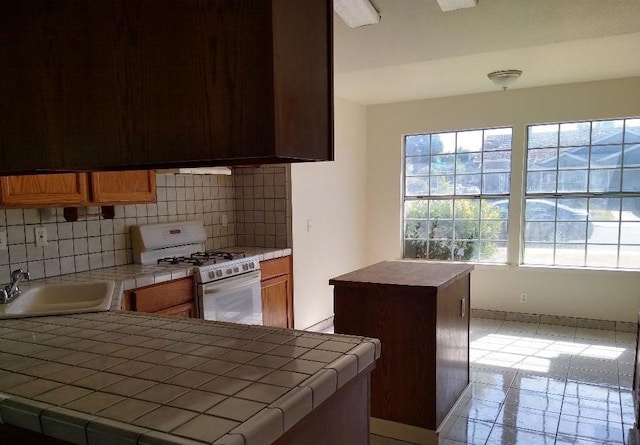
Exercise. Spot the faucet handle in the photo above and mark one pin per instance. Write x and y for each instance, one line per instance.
(18, 274)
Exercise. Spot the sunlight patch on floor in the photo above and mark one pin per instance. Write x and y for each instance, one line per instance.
(529, 353)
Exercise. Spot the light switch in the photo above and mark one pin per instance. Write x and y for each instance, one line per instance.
(309, 225)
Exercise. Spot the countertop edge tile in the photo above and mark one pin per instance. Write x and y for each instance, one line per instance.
(65, 424)
(323, 385)
(23, 413)
(378, 345)
(101, 431)
(263, 253)
(3, 397)
(294, 405)
(158, 438)
(230, 439)
(264, 428)
(347, 368)
(365, 353)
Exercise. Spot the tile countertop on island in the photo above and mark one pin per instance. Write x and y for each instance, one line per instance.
(130, 378)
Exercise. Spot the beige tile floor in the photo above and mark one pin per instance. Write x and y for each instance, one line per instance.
(543, 384)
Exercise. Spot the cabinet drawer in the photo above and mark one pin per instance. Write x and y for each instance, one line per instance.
(275, 267)
(163, 296)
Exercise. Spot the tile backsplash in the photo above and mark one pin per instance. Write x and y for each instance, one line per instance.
(94, 243)
(263, 206)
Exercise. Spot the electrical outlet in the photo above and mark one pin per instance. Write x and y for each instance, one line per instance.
(41, 236)
(524, 298)
(3, 241)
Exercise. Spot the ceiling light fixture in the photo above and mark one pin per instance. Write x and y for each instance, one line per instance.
(452, 5)
(504, 78)
(356, 13)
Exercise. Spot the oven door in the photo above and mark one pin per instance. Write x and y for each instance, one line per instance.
(235, 300)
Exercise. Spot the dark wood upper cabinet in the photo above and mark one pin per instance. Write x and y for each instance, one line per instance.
(137, 84)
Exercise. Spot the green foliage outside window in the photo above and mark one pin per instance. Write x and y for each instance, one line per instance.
(461, 229)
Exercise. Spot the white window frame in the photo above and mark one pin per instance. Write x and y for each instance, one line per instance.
(588, 196)
(457, 195)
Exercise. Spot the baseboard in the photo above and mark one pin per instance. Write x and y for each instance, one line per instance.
(401, 431)
(414, 434)
(620, 326)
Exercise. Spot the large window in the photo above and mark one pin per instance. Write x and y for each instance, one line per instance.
(456, 195)
(582, 201)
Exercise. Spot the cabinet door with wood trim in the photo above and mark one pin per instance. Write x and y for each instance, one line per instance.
(171, 298)
(187, 310)
(275, 301)
(277, 292)
(135, 186)
(48, 190)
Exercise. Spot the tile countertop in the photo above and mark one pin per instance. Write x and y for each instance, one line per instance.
(131, 378)
(132, 276)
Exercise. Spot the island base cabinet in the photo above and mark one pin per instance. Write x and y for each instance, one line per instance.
(424, 365)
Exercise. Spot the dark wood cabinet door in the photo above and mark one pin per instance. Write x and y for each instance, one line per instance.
(275, 292)
(120, 84)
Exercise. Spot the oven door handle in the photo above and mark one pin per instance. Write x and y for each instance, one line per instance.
(248, 279)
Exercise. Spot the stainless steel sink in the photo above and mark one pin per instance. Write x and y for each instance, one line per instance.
(56, 299)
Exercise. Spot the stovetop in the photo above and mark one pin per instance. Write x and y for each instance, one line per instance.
(216, 265)
(203, 258)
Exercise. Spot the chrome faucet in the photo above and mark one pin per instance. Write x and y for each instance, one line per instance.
(12, 291)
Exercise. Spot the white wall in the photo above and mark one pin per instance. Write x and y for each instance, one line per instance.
(333, 196)
(603, 295)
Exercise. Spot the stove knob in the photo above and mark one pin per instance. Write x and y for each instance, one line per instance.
(251, 266)
(219, 272)
(236, 269)
(245, 267)
(228, 271)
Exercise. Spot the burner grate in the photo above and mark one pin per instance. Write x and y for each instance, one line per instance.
(181, 260)
(218, 255)
(203, 258)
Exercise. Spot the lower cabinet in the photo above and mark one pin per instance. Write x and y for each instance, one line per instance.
(169, 298)
(277, 292)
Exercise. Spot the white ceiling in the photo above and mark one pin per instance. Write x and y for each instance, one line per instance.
(417, 51)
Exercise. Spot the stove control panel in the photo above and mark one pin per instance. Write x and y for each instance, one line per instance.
(226, 269)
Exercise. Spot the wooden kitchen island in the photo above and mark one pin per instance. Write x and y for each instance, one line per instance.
(420, 312)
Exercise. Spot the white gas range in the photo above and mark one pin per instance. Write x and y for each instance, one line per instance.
(227, 283)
